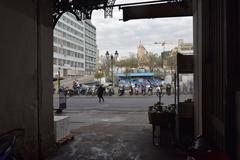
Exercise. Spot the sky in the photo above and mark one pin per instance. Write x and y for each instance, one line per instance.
(114, 34)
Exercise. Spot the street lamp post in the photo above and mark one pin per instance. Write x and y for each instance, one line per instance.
(112, 57)
(59, 79)
(116, 56)
(112, 67)
(100, 71)
(107, 56)
(75, 71)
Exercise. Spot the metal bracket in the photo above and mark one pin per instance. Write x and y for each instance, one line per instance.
(109, 9)
(82, 9)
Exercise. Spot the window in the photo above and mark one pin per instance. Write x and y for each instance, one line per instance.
(54, 49)
(54, 61)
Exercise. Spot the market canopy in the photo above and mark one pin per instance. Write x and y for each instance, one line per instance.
(144, 74)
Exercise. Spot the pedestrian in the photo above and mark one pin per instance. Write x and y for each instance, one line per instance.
(100, 93)
(74, 86)
(78, 87)
(168, 89)
(158, 90)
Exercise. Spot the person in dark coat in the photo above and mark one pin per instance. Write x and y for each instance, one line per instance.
(100, 93)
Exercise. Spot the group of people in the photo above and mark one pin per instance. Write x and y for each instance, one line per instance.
(100, 90)
(168, 87)
(77, 87)
(146, 89)
(143, 89)
(137, 89)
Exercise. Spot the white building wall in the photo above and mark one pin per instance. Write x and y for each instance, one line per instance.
(78, 38)
(90, 47)
(69, 46)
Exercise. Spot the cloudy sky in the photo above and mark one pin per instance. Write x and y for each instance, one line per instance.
(114, 34)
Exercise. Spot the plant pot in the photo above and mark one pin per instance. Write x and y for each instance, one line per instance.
(161, 118)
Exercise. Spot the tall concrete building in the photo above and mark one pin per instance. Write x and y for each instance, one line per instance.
(90, 47)
(74, 46)
(97, 60)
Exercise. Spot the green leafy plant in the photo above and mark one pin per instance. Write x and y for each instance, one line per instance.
(158, 106)
(169, 109)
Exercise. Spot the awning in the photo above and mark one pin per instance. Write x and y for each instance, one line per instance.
(184, 63)
(161, 10)
(144, 74)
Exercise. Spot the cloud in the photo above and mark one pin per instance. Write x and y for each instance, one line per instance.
(113, 34)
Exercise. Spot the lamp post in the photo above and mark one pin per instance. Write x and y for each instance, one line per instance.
(112, 68)
(59, 79)
(100, 71)
(107, 56)
(75, 71)
(112, 58)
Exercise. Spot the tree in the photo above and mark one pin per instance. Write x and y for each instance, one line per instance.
(127, 71)
(99, 75)
(159, 73)
(171, 61)
(152, 61)
(104, 65)
(131, 62)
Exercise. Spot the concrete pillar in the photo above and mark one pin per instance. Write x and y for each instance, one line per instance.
(26, 73)
(238, 124)
(197, 40)
(238, 96)
(45, 73)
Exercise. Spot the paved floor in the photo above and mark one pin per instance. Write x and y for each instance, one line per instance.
(117, 129)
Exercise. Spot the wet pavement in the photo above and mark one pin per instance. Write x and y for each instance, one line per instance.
(115, 142)
(115, 130)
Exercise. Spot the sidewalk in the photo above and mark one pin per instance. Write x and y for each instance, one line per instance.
(117, 129)
(115, 142)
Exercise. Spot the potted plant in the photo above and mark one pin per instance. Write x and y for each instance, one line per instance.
(158, 113)
(164, 117)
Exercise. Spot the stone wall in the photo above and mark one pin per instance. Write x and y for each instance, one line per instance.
(26, 73)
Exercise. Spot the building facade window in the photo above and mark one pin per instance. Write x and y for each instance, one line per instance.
(74, 45)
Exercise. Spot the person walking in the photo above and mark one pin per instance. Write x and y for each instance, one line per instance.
(100, 93)
(78, 87)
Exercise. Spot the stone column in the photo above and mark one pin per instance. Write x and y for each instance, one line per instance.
(26, 73)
